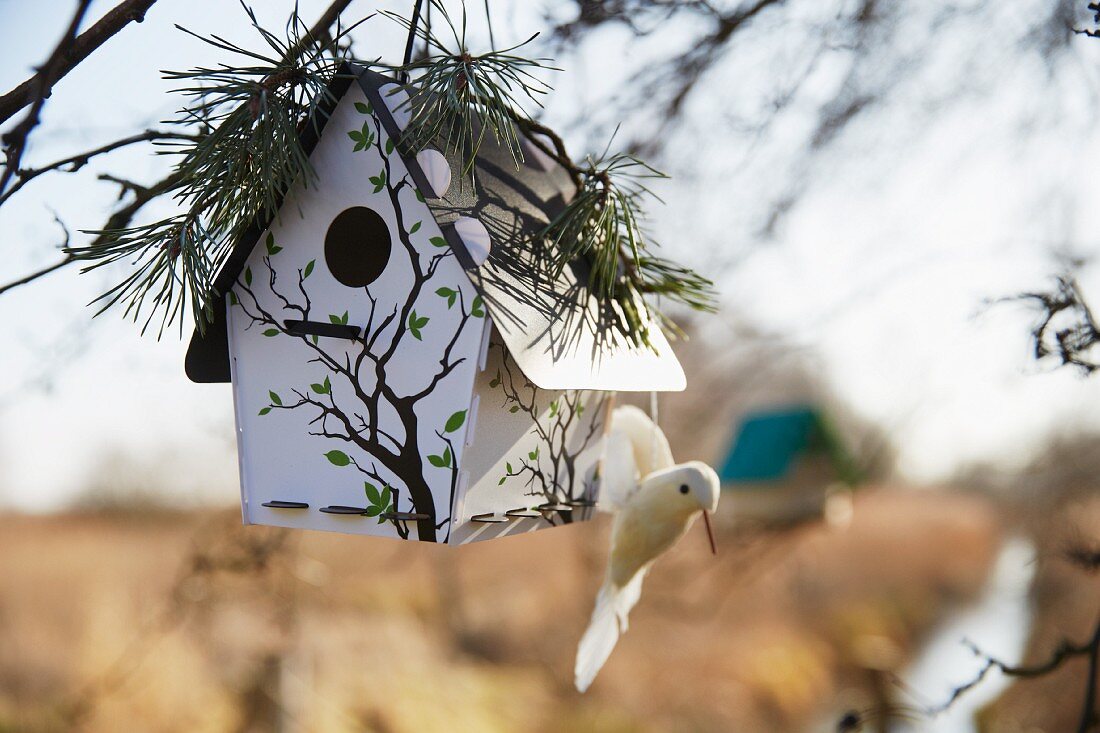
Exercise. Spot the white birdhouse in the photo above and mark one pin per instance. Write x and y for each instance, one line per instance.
(403, 361)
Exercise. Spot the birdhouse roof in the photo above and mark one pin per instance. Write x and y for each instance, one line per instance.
(557, 332)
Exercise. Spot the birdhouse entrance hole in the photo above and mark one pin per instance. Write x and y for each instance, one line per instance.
(357, 246)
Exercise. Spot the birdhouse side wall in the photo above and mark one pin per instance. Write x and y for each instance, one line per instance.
(532, 452)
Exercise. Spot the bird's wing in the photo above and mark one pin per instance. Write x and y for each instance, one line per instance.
(650, 446)
(618, 473)
(635, 447)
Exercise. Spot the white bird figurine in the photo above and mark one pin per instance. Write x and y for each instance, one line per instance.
(656, 502)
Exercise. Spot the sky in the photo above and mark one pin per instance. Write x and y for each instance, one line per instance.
(907, 227)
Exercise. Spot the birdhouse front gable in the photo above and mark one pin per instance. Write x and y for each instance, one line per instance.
(354, 337)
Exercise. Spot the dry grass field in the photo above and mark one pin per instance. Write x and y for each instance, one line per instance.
(189, 622)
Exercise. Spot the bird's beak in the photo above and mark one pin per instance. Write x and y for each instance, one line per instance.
(710, 532)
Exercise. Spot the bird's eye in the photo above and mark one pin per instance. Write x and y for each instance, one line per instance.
(684, 488)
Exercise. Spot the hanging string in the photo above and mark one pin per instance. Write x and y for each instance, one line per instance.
(489, 22)
(409, 43)
(428, 31)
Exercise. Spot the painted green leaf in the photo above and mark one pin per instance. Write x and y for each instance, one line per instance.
(328, 385)
(373, 511)
(450, 295)
(372, 493)
(385, 498)
(362, 108)
(454, 422)
(314, 339)
(416, 323)
(248, 276)
(443, 461)
(318, 388)
(475, 308)
(419, 196)
(534, 455)
(502, 480)
(580, 409)
(508, 468)
(233, 298)
(354, 135)
(309, 269)
(271, 332)
(514, 409)
(389, 146)
(495, 383)
(269, 243)
(275, 399)
(338, 458)
(438, 242)
(334, 319)
(415, 227)
(265, 410)
(553, 408)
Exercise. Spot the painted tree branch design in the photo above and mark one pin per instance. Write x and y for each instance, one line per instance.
(354, 390)
(549, 472)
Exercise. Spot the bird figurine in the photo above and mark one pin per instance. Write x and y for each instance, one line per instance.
(655, 502)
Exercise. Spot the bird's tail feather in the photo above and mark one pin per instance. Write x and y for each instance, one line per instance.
(609, 619)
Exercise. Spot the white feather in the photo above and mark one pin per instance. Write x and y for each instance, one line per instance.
(609, 620)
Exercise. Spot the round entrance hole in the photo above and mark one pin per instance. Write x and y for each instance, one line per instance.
(357, 246)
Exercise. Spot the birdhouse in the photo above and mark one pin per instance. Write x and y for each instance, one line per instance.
(403, 361)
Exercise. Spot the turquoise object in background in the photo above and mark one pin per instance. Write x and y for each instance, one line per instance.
(770, 442)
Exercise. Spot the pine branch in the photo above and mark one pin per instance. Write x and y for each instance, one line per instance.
(457, 98)
(246, 156)
(83, 46)
(602, 226)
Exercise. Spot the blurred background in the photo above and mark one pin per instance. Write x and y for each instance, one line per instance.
(909, 491)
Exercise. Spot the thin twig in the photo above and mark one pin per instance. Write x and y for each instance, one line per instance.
(142, 194)
(70, 54)
(15, 139)
(328, 18)
(119, 220)
(76, 162)
(1065, 651)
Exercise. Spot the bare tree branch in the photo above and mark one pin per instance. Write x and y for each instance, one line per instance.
(76, 162)
(15, 139)
(119, 220)
(70, 53)
(1065, 651)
